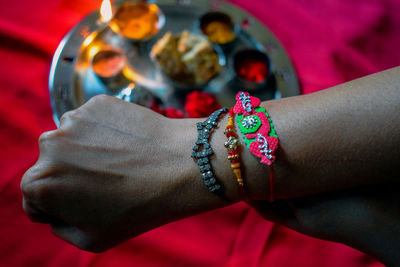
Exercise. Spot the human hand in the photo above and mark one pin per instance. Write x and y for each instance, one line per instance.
(111, 171)
(367, 219)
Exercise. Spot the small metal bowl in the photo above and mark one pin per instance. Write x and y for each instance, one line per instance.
(108, 64)
(138, 20)
(206, 21)
(241, 62)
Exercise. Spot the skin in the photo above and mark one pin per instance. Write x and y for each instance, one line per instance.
(114, 170)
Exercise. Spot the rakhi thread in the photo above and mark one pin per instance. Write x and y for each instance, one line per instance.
(233, 147)
(258, 132)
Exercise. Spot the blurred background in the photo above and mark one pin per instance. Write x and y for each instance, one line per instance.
(328, 41)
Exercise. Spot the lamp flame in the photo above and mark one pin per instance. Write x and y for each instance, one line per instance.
(105, 11)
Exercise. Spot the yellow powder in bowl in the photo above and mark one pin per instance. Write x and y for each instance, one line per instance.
(219, 32)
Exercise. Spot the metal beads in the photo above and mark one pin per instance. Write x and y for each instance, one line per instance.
(232, 143)
(202, 149)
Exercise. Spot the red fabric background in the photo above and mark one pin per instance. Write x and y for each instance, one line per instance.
(330, 42)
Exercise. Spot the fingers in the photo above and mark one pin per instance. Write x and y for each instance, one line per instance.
(37, 187)
(33, 194)
(36, 215)
(77, 237)
(68, 233)
(40, 206)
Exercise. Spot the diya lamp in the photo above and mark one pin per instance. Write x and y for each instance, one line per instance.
(138, 20)
(252, 69)
(105, 60)
(91, 44)
(105, 12)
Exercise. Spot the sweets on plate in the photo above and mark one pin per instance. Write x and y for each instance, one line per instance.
(164, 52)
(186, 58)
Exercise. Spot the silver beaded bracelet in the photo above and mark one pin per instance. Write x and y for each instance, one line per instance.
(202, 149)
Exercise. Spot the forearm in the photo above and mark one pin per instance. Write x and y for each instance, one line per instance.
(342, 137)
(345, 136)
(137, 170)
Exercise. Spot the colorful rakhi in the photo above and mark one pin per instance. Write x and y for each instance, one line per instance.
(257, 130)
(233, 147)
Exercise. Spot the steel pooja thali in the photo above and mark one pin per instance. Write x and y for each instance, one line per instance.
(73, 80)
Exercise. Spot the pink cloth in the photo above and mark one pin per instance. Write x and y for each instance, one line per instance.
(330, 42)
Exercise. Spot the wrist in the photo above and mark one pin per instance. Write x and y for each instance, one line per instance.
(255, 175)
(188, 184)
(190, 195)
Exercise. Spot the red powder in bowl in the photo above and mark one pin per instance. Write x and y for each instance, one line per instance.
(252, 66)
